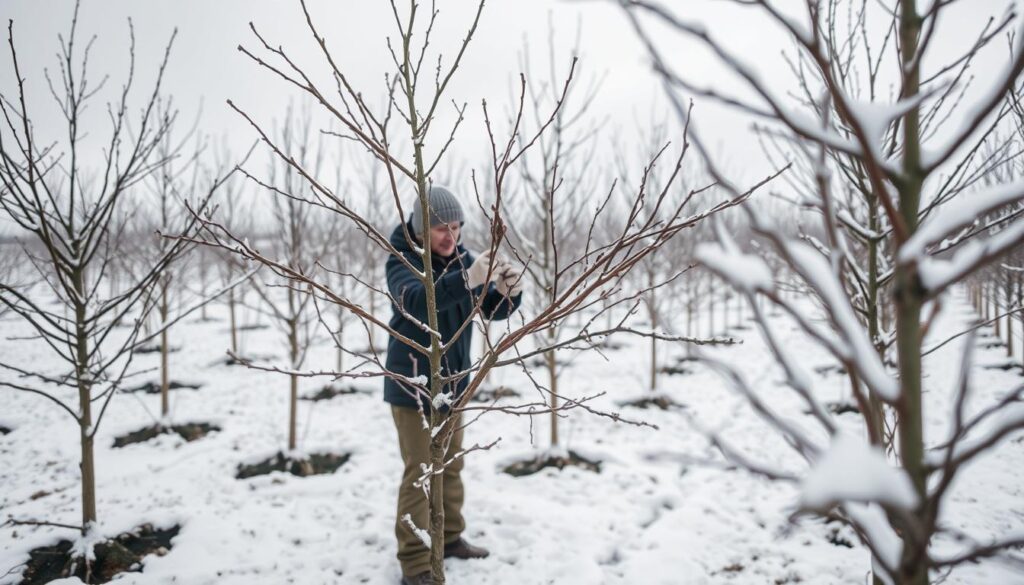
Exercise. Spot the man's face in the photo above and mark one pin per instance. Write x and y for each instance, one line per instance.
(443, 238)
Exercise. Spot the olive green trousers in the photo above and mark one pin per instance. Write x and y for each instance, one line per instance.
(414, 443)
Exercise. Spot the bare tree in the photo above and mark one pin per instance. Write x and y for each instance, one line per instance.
(554, 185)
(899, 523)
(69, 199)
(230, 212)
(657, 279)
(299, 239)
(172, 184)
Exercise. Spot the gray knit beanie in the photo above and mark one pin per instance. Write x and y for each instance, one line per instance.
(444, 208)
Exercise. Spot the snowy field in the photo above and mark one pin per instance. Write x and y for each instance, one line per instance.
(665, 509)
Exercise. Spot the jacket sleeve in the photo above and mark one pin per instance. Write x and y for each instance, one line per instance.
(408, 289)
(497, 306)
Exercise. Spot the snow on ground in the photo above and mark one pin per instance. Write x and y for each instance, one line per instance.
(665, 509)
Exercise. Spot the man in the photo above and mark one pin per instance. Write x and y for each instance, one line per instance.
(460, 278)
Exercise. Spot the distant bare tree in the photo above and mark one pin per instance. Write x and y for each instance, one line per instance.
(231, 212)
(658, 278)
(172, 184)
(547, 222)
(299, 239)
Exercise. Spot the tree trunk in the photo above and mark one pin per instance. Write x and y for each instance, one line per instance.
(909, 298)
(689, 317)
(1009, 336)
(293, 406)
(547, 268)
(884, 313)
(877, 414)
(341, 338)
(996, 310)
(653, 314)
(437, 513)
(293, 354)
(908, 345)
(711, 316)
(436, 418)
(987, 303)
(234, 321)
(84, 382)
(204, 283)
(165, 383)
(552, 366)
(725, 314)
(88, 467)
(1009, 317)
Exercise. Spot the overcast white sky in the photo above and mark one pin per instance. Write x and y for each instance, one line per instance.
(206, 67)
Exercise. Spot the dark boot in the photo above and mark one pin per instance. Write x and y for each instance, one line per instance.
(419, 579)
(460, 549)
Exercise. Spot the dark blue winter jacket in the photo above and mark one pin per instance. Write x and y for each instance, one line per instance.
(454, 304)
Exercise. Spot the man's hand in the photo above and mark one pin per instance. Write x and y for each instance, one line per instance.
(510, 280)
(476, 274)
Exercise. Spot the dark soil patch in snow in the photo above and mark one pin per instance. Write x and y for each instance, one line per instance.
(675, 370)
(253, 327)
(842, 408)
(992, 345)
(332, 390)
(5, 430)
(542, 362)
(1005, 366)
(188, 431)
(659, 401)
(839, 540)
(229, 361)
(559, 462)
(120, 555)
(233, 361)
(492, 394)
(316, 464)
(155, 349)
(154, 387)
